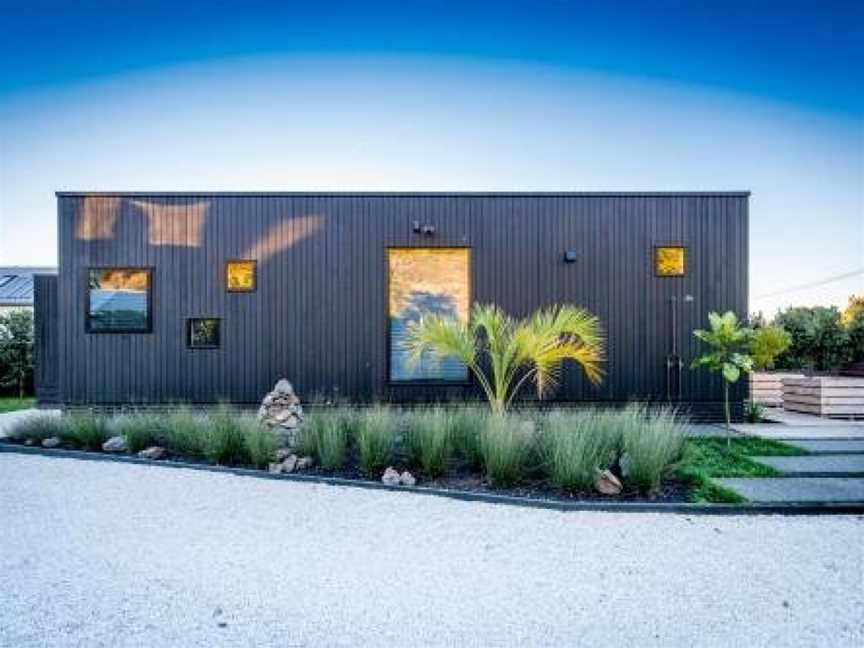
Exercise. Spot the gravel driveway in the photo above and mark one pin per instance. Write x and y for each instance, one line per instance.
(108, 554)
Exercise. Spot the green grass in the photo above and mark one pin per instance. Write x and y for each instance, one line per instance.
(15, 404)
(576, 446)
(705, 459)
(324, 437)
(430, 439)
(225, 442)
(375, 433)
(506, 443)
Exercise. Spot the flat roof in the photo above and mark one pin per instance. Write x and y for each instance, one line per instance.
(514, 194)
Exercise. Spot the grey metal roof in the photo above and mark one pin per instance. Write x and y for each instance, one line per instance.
(348, 194)
(16, 284)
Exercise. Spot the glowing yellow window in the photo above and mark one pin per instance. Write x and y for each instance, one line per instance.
(670, 261)
(240, 276)
(426, 281)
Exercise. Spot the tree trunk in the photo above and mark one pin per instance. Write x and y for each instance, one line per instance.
(728, 416)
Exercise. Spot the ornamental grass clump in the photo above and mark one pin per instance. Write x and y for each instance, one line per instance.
(375, 434)
(185, 432)
(430, 439)
(38, 428)
(468, 424)
(225, 440)
(261, 442)
(325, 437)
(506, 443)
(575, 447)
(140, 429)
(652, 450)
(86, 430)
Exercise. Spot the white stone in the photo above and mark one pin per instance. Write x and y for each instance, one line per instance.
(283, 387)
(304, 463)
(289, 464)
(115, 444)
(607, 483)
(50, 442)
(391, 476)
(407, 479)
(153, 452)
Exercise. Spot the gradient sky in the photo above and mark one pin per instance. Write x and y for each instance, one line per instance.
(766, 96)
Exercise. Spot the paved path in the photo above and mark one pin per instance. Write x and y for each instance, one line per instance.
(126, 555)
(812, 490)
(831, 446)
(840, 465)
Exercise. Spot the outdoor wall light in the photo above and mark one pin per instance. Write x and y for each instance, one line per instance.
(427, 229)
(570, 256)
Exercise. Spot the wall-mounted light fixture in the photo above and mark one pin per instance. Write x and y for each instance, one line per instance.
(570, 256)
(427, 229)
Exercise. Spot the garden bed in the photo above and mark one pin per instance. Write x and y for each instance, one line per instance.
(550, 457)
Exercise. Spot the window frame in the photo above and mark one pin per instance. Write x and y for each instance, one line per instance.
(148, 327)
(659, 246)
(421, 382)
(254, 287)
(197, 347)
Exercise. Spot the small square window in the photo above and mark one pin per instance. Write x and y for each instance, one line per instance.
(203, 333)
(670, 261)
(240, 276)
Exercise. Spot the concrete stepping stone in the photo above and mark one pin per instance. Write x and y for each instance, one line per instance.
(816, 465)
(831, 446)
(791, 433)
(823, 490)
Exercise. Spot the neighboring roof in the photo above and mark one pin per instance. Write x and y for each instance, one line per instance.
(16, 284)
(505, 194)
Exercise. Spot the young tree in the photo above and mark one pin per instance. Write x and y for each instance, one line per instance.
(729, 352)
(515, 351)
(16, 350)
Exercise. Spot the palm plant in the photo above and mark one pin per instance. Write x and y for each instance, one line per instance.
(729, 342)
(515, 351)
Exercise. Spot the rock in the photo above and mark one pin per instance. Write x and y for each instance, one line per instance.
(276, 467)
(607, 484)
(115, 444)
(283, 387)
(153, 452)
(407, 479)
(282, 454)
(281, 411)
(289, 464)
(305, 463)
(28, 442)
(391, 476)
(50, 442)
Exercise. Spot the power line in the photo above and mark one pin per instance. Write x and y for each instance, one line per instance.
(815, 284)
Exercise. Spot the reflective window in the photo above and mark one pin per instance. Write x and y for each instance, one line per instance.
(670, 261)
(118, 300)
(240, 276)
(426, 280)
(203, 333)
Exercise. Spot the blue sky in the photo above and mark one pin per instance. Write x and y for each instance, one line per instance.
(766, 96)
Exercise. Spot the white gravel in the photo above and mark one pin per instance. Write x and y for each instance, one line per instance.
(121, 555)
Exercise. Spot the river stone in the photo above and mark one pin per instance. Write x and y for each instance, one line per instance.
(51, 442)
(115, 444)
(607, 483)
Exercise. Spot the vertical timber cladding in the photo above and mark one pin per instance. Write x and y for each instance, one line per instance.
(318, 313)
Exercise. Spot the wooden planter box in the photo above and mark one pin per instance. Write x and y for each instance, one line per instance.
(766, 387)
(838, 396)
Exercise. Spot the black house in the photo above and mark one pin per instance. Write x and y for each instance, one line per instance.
(206, 297)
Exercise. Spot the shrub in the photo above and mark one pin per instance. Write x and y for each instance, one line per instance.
(754, 412)
(324, 437)
(16, 351)
(261, 442)
(653, 449)
(87, 430)
(855, 330)
(185, 433)
(766, 345)
(468, 424)
(141, 429)
(430, 439)
(225, 441)
(819, 341)
(575, 447)
(40, 427)
(505, 445)
(375, 432)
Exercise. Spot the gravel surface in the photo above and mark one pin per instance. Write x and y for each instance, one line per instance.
(123, 555)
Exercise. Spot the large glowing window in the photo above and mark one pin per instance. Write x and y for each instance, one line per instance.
(118, 300)
(670, 261)
(426, 280)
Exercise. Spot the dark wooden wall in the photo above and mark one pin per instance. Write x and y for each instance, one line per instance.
(319, 315)
(46, 358)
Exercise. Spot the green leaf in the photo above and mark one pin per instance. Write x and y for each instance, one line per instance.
(731, 373)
